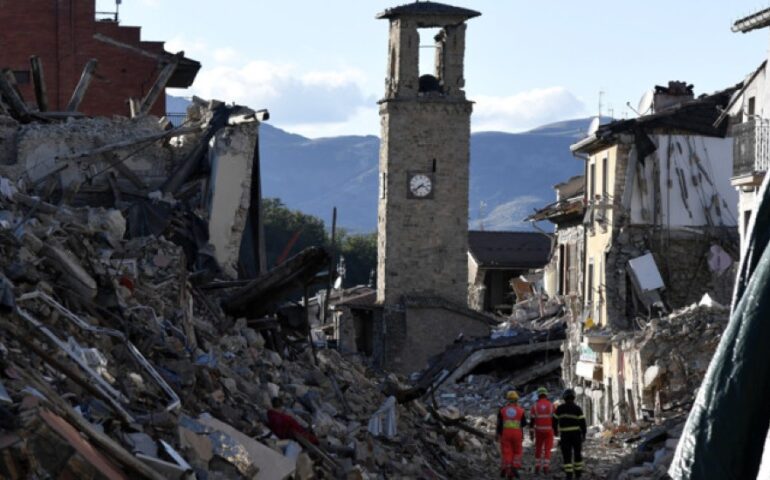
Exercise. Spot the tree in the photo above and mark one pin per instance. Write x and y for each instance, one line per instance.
(360, 252)
(287, 232)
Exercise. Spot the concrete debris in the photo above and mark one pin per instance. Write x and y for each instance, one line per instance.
(384, 421)
(118, 359)
(667, 359)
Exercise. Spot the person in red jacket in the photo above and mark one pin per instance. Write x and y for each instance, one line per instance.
(510, 424)
(541, 415)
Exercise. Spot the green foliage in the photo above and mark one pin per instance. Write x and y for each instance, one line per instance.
(282, 225)
(360, 253)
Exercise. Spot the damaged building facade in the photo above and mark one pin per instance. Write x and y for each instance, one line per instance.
(660, 232)
(563, 275)
(748, 115)
(49, 48)
(495, 259)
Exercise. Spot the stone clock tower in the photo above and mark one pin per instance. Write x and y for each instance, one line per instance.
(424, 159)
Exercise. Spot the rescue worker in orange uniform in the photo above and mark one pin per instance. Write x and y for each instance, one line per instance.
(510, 424)
(541, 415)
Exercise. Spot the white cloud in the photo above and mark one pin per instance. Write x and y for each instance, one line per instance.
(310, 102)
(525, 110)
(292, 95)
(226, 55)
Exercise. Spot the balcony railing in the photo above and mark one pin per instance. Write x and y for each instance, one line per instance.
(751, 147)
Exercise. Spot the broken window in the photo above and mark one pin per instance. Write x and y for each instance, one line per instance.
(562, 270)
(605, 178)
(590, 285)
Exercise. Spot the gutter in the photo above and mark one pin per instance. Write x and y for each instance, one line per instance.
(576, 147)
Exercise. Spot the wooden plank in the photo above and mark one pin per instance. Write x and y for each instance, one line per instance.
(38, 81)
(160, 85)
(12, 97)
(82, 87)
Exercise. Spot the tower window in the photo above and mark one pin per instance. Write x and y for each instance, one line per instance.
(431, 52)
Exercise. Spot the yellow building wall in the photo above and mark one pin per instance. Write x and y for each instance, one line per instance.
(599, 237)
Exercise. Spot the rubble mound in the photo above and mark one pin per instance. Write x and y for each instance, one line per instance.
(115, 363)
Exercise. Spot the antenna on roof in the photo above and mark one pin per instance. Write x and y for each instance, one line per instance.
(601, 94)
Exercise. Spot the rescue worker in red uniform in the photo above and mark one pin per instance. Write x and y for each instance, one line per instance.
(541, 415)
(510, 424)
(570, 424)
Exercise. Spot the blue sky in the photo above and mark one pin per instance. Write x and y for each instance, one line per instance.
(319, 66)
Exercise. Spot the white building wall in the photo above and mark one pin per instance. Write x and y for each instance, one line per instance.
(707, 190)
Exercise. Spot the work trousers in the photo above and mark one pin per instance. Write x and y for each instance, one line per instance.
(543, 446)
(511, 450)
(571, 450)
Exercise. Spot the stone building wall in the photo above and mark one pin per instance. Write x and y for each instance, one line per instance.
(682, 259)
(418, 332)
(423, 243)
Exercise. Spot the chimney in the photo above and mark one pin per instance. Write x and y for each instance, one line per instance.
(674, 94)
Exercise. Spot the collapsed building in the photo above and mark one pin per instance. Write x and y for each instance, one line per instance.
(660, 232)
(563, 276)
(55, 51)
(495, 259)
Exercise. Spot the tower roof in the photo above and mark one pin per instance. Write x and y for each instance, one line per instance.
(433, 9)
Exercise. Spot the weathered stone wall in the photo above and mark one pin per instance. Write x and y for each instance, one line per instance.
(413, 334)
(682, 258)
(423, 243)
(38, 145)
(231, 156)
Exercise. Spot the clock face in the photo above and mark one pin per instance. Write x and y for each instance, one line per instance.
(420, 185)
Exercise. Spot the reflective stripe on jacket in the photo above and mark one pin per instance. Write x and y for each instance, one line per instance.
(569, 417)
(541, 414)
(512, 416)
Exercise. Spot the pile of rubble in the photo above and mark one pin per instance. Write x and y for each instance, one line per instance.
(129, 350)
(669, 355)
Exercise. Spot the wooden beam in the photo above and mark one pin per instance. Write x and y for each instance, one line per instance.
(15, 102)
(133, 107)
(38, 81)
(82, 87)
(159, 86)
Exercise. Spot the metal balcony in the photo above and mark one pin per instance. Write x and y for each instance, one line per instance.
(751, 147)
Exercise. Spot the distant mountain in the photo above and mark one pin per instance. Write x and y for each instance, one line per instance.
(511, 173)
